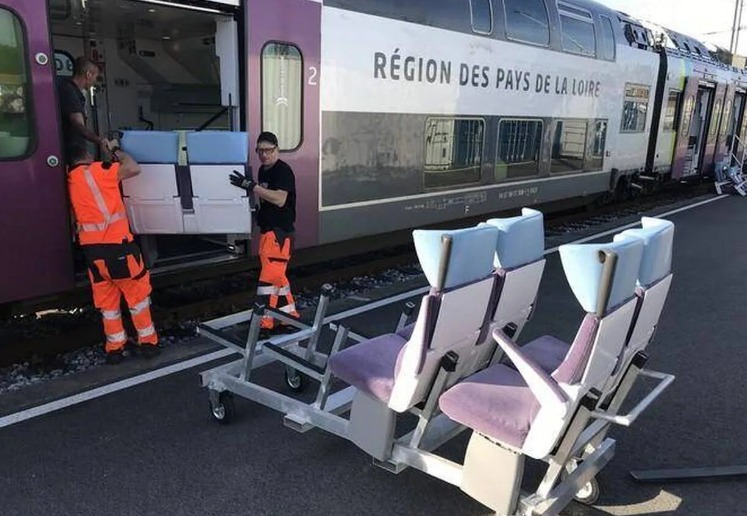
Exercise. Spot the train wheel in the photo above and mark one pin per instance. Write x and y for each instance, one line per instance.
(224, 410)
(293, 380)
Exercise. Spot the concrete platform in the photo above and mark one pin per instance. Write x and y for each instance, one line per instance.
(152, 448)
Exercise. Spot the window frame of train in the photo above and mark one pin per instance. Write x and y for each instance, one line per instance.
(581, 156)
(516, 35)
(688, 110)
(19, 86)
(503, 169)
(595, 153)
(275, 126)
(571, 19)
(433, 171)
(607, 37)
(635, 101)
(483, 3)
(672, 111)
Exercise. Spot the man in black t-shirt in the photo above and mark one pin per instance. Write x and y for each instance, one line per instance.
(73, 108)
(276, 217)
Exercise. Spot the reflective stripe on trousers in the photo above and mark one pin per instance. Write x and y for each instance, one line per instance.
(274, 289)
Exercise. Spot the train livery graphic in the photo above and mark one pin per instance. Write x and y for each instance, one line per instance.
(393, 115)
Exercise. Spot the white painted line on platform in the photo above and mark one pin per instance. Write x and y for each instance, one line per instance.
(82, 397)
(638, 223)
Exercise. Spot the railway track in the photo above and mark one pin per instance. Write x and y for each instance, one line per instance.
(181, 299)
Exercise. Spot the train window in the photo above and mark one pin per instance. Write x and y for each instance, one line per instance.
(482, 16)
(16, 127)
(715, 118)
(282, 102)
(635, 108)
(568, 146)
(453, 151)
(687, 116)
(726, 119)
(671, 112)
(519, 147)
(595, 161)
(527, 21)
(578, 36)
(607, 51)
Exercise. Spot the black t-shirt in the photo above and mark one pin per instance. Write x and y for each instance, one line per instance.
(72, 101)
(278, 177)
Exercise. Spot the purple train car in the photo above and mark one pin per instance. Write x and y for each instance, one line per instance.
(393, 115)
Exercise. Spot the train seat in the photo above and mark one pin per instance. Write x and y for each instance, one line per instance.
(525, 412)
(152, 198)
(219, 207)
(654, 280)
(393, 374)
(519, 262)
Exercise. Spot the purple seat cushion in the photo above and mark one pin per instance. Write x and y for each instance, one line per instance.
(370, 365)
(406, 332)
(547, 352)
(495, 402)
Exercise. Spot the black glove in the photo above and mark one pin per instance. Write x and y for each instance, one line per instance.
(239, 180)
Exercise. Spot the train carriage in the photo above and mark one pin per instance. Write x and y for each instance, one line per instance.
(393, 115)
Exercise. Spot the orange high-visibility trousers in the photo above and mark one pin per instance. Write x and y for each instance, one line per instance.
(116, 270)
(273, 284)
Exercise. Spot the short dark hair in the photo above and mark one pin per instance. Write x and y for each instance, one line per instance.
(83, 65)
(268, 137)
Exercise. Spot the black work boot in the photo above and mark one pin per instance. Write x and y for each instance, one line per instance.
(114, 357)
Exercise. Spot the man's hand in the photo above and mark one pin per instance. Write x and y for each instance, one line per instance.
(239, 180)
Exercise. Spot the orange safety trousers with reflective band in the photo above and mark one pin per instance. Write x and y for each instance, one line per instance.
(118, 271)
(97, 204)
(115, 264)
(273, 284)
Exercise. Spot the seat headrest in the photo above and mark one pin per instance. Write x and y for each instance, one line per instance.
(217, 147)
(151, 146)
(521, 239)
(471, 257)
(583, 269)
(658, 238)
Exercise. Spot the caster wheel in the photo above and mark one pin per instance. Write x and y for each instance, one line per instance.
(589, 494)
(223, 411)
(293, 380)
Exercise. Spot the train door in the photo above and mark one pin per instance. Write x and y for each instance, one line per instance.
(697, 135)
(35, 255)
(283, 77)
(716, 128)
(739, 128)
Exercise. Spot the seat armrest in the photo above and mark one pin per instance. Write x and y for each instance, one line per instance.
(543, 386)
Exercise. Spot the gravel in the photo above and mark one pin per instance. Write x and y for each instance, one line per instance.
(18, 376)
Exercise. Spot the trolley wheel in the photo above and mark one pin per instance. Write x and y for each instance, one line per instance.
(293, 380)
(589, 494)
(225, 410)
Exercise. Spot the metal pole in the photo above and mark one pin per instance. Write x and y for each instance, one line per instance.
(732, 47)
(739, 27)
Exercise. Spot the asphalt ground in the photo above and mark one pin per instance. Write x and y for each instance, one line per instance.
(153, 448)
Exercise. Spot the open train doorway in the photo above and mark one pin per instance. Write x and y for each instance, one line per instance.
(166, 67)
(700, 121)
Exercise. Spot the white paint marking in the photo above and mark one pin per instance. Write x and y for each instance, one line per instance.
(82, 397)
(108, 389)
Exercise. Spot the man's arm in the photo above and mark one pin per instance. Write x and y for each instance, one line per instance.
(276, 197)
(78, 122)
(128, 167)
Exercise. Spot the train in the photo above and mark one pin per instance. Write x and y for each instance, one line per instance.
(392, 114)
